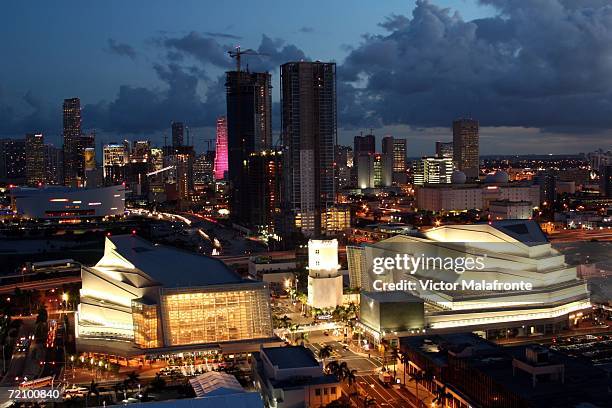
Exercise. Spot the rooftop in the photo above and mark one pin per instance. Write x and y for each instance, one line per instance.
(395, 296)
(290, 357)
(170, 266)
(215, 383)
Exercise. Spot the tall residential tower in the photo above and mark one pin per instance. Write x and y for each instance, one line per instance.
(309, 132)
(249, 130)
(465, 147)
(72, 134)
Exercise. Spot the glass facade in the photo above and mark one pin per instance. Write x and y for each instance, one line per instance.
(196, 316)
(145, 325)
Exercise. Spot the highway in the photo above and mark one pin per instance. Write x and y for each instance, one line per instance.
(44, 284)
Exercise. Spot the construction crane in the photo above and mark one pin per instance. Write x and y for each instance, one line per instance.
(237, 53)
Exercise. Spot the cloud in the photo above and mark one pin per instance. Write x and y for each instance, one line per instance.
(192, 90)
(144, 110)
(222, 35)
(306, 30)
(122, 49)
(543, 64)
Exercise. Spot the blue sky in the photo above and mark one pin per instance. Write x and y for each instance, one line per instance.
(441, 64)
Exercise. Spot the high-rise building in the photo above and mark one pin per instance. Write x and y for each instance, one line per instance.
(264, 172)
(83, 143)
(203, 173)
(399, 160)
(364, 148)
(344, 165)
(54, 165)
(35, 159)
(13, 160)
(465, 147)
(366, 175)
(364, 144)
(309, 133)
(114, 162)
(388, 161)
(547, 182)
(71, 134)
(221, 149)
(605, 188)
(178, 133)
(138, 166)
(444, 149)
(249, 130)
(432, 170)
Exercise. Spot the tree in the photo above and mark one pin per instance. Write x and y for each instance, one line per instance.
(132, 379)
(333, 367)
(405, 360)
(395, 355)
(325, 353)
(442, 395)
(93, 390)
(158, 383)
(417, 377)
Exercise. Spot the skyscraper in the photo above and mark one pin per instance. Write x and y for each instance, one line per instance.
(249, 130)
(465, 147)
(606, 181)
(72, 133)
(444, 149)
(13, 160)
(264, 172)
(388, 161)
(54, 165)
(309, 132)
(35, 159)
(114, 162)
(221, 149)
(364, 144)
(178, 133)
(399, 160)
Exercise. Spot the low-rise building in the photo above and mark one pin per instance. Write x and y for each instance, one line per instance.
(60, 202)
(292, 377)
(510, 210)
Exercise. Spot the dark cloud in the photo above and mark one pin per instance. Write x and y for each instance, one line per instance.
(38, 117)
(222, 35)
(122, 49)
(306, 30)
(205, 49)
(542, 64)
(142, 110)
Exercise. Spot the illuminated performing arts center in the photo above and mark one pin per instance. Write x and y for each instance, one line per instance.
(158, 297)
(508, 252)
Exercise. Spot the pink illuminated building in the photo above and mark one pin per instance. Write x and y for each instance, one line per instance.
(221, 149)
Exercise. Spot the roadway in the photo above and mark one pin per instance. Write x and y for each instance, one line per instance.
(44, 284)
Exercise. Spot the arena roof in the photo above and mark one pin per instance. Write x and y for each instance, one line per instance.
(171, 267)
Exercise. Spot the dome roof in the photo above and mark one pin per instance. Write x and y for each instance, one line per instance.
(497, 177)
(458, 177)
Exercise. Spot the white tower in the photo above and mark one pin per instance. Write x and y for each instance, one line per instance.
(324, 281)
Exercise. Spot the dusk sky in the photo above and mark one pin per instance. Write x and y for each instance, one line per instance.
(537, 74)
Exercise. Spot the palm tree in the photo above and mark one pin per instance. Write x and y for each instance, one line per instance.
(132, 379)
(325, 353)
(93, 390)
(417, 377)
(395, 355)
(442, 395)
(333, 367)
(405, 360)
(350, 376)
(292, 329)
(158, 383)
(284, 322)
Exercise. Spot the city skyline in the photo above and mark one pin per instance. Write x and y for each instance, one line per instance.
(176, 75)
